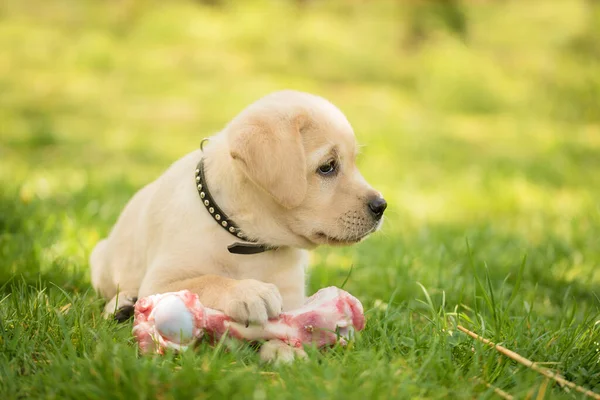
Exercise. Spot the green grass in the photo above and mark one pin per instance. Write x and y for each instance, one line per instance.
(484, 138)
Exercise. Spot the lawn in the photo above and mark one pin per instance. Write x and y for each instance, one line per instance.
(481, 125)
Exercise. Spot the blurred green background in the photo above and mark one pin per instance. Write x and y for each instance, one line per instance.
(479, 121)
(477, 118)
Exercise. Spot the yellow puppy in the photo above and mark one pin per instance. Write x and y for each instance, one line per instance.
(233, 222)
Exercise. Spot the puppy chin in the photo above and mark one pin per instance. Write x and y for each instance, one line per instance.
(305, 243)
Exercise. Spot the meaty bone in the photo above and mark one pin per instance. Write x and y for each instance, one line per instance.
(177, 319)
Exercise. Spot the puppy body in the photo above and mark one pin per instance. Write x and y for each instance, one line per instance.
(263, 170)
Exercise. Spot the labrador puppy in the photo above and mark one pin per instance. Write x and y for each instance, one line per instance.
(278, 180)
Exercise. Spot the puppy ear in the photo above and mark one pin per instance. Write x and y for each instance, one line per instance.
(271, 153)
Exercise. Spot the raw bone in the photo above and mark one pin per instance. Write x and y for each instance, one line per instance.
(177, 319)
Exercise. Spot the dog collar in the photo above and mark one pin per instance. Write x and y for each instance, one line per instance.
(251, 247)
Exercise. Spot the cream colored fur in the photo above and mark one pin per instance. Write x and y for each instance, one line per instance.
(262, 170)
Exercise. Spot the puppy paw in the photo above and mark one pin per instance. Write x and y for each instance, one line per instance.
(253, 302)
(277, 352)
(120, 307)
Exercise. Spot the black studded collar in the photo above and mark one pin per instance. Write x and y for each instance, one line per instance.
(251, 246)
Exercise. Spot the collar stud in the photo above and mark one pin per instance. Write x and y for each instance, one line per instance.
(207, 200)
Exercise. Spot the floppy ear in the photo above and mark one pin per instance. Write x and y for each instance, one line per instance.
(271, 153)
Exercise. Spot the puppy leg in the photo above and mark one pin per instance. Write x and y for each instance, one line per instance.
(122, 302)
(121, 306)
(247, 300)
(100, 273)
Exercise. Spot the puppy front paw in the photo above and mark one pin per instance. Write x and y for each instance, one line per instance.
(253, 302)
(120, 307)
(278, 352)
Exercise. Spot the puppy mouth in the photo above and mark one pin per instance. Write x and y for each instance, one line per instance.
(321, 237)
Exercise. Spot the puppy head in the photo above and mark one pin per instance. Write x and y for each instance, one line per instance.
(301, 150)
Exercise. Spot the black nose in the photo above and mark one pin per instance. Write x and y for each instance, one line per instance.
(377, 205)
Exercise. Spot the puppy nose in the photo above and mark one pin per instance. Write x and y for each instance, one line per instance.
(377, 206)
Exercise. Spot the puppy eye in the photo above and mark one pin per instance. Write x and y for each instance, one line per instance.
(328, 168)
